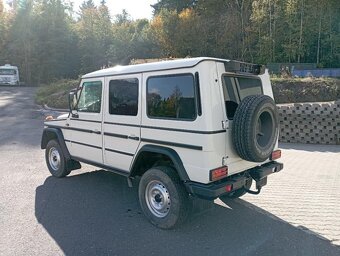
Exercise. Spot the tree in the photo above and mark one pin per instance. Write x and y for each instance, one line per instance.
(4, 27)
(20, 42)
(173, 5)
(123, 17)
(47, 41)
(87, 5)
(104, 33)
(164, 28)
(131, 40)
(55, 43)
(88, 42)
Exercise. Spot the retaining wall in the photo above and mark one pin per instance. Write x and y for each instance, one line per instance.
(315, 123)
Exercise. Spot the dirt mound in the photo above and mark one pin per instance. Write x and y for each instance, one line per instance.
(305, 90)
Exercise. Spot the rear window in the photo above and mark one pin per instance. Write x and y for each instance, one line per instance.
(249, 86)
(236, 88)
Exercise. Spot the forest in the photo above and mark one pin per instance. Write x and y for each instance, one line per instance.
(49, 40)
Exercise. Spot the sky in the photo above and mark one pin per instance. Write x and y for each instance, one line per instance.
(136, 8)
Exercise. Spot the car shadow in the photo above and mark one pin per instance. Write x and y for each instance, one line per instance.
(96, 213)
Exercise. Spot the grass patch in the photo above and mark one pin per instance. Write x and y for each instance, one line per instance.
(55, 94)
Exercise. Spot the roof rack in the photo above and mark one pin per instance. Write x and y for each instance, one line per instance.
(244, 67)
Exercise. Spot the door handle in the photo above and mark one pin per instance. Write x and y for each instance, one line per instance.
(67, 124)
(96, 131)
(133, 137)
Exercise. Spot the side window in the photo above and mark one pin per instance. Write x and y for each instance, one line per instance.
(171, 97)
(90, 97)
(123, 97)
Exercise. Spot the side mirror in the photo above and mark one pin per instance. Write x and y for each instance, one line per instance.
(72, 101)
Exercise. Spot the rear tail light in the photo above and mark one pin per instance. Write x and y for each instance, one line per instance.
(219, 173)
(275, 155)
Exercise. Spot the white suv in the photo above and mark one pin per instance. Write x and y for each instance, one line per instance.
(201, 127)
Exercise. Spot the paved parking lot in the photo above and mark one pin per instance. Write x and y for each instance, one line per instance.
(307, 192)
(93, 212)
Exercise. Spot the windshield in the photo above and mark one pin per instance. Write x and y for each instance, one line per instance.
(8, 72)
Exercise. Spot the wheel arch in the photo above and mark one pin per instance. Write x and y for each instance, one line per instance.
(170, 153)
(54, 133)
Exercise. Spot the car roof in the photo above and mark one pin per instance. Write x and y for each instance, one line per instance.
(8, 67)
(154, 66)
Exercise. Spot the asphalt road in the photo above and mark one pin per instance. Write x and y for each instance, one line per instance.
(93, 212)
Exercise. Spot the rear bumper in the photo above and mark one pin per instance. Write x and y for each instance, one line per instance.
(213, 190)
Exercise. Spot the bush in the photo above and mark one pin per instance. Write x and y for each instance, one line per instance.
(55, 94)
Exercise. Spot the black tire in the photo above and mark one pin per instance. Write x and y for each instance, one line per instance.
(255, 128)
(55, 160)
(169, 194)
(239, 192)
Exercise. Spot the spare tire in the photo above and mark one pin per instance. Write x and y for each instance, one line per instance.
(255, 128)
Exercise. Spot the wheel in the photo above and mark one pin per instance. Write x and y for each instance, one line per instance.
(163, 198)
(239, 192)
(55, 160)
(255, 128)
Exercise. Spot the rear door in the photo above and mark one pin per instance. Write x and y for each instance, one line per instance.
(235, 88)
(122, 120)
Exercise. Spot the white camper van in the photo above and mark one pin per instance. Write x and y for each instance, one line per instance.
(9, 75)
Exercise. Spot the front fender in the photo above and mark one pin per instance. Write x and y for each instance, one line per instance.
(56, 134)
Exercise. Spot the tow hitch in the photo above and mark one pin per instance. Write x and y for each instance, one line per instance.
(259, 174)
(259, 184)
